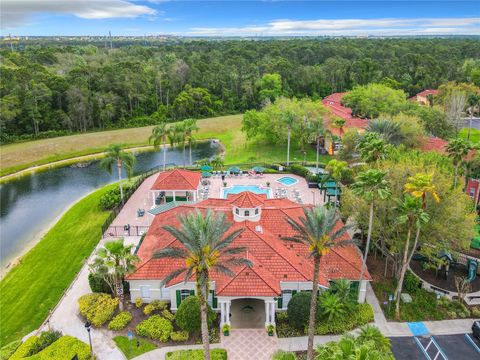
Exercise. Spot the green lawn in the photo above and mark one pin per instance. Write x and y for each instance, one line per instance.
(16, 157)
(131, 350)
(474, 135)
(35, 285)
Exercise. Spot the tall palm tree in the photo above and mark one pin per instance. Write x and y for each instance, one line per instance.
(316, 230)
(176, 137)
(336, 169)
(339, 123)
(206, 247)
(289, 120)
(115, 155)
(113, 262)
(410, 213)
(159, 136)
(388, 130)
(420, 185)
(372, 148)
(190, 127)
(472, 109)
(316, 130)
(457, 149)
(371, 186)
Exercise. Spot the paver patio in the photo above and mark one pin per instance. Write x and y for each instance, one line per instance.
(249, 344)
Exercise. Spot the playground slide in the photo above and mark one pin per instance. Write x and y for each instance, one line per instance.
(472, 266)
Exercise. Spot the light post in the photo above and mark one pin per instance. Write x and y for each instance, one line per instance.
(88, 326)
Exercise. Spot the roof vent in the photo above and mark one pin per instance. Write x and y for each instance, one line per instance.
(259, 229)
(247, 273)
(285, 276)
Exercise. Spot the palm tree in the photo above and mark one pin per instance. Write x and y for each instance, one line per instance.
(289, 119)
(316, 130)
(190, 127)
(205, 248)
(457, 149)
(114, 155)
(472, 109)
(372, 148)
(113, 262)
(370, 185)
(336, 169)
(159, 136)
(339, 123)
(421, 185)
(410, 213)
(388, 130)
(316, 230)
(176, 137)
(372, 334)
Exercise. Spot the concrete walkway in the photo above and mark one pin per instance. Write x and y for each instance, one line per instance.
(249, 344)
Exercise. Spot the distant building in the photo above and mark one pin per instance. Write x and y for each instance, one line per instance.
(422, 97)
(473, 190)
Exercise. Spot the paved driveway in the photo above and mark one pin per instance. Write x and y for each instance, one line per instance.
(249, 344)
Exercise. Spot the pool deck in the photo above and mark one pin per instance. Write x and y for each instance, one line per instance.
(142, 198)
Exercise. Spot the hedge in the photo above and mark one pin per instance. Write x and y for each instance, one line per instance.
(188, 315)
(179, 336)
(9, 349)
(64, 348)
(155, 328)
(24, 349)
(362, 314)
(120, 321)
(157, 305)
(97, 308)
(215, 354)
(98, 284)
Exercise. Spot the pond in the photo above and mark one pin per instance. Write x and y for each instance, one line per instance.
(29, 204)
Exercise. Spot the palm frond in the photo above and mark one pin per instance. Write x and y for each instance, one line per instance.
(172, 276)
(170, 252)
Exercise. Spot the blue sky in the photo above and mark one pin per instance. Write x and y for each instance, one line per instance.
(239, 18)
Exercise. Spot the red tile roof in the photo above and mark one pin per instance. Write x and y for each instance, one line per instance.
(177, 179)
(427, 92)
(274, 259)
(435, 144)
(247, 200)
(333, 102)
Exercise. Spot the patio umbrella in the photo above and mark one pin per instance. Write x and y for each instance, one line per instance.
(206, 174)
(206, 168)
(258, 169)
(234, 169)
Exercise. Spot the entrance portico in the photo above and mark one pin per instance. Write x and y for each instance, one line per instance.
(247, 312)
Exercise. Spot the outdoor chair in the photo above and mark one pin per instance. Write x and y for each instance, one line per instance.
(140, 212)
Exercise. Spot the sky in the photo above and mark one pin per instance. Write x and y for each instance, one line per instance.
(238, 18)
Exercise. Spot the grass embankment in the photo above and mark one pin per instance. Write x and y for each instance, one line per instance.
(227, 129)
(36, 284)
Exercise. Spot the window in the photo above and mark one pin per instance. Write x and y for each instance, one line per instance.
(256, 211)
(237, 211)
(472, 192)
(247, 213)
(210, 299)
(287, 296)
(184, 294)
(145, 292)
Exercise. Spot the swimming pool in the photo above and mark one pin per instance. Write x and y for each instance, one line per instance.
(237, 189)
(287, 180)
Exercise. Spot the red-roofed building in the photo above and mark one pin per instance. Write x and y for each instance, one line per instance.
(422, 97)
(473, 190)
(177, 184)
(280, 268)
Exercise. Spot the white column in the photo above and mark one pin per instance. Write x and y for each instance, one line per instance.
(222, 314)
(173, 194)
(195, 196)
(267, 313)
(227, 313)
(362, 291)
(153, 198)
(272, 319)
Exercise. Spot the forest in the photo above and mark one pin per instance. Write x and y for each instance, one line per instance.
(54, 89)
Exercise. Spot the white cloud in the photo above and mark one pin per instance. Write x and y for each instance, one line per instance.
(387, 26)
(16, 12)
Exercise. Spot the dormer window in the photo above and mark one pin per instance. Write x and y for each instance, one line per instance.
(237, 211)
(256, 211)
(247, 213)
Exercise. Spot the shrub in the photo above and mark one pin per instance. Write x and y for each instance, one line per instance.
(476, 312)
(98, 284)
(111, 198)
(299, 170)
(411, 283)
(157, 305)
(64, 348)
(332, 306)
(215, 354)
(120, 321)
(282, 316)
(362, 314)
(283, 355)
(97, 308)
(138, 302)
(298, 309)
(156, 328)
(188, 315)
(45, 339)
(168, 315)
(9, 349)
(179, 336)
(24, 349)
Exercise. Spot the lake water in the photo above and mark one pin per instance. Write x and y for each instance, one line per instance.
(30, 203)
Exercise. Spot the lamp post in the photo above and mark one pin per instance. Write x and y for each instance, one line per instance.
(88, 326)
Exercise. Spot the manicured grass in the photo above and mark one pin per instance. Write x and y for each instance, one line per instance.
(215, 354)
(36, 284)
(16, 157)
(474, 135)
(131, 350)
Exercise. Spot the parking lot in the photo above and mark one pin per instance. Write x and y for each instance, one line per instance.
(451, 347)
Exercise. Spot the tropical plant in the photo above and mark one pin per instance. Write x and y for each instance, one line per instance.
(372, 147)
(206, 247)
(289, 119)
(159, 136)
(316, 130)
(114, 155)
(420, 185)
(410, 213)
(190, 126)
(188, 315)
(342, 288)
(371, 185)
(112, 263)
(176, 137)
(369, 333)
(457, 149)
(316, 230)
(339, 123)
(337, 169)
(332, 306)
(388, 130)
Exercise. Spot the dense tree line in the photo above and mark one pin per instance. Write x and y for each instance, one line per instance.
(79, 88)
